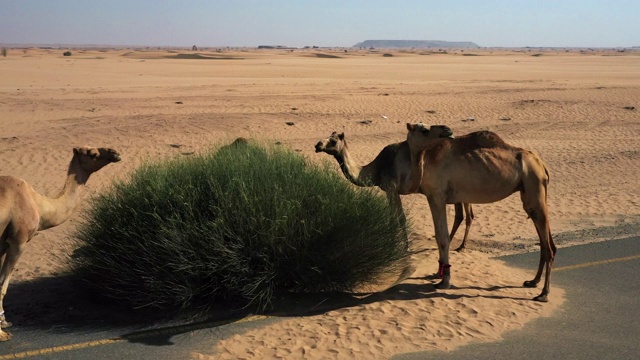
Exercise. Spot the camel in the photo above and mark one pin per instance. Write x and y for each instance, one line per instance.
(390, 171)
(479, 168)
(23, 211)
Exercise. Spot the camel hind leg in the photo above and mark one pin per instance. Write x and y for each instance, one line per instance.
(457, 220)
(468, 217)
(534, 201)
(547, 256)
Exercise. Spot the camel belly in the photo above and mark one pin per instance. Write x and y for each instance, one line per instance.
(478, 178)
(483, 195)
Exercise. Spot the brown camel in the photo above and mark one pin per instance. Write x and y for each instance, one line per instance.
(390, 171)
(23, 211)
(479, 168)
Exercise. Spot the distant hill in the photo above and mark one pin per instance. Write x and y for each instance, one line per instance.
(416, 44)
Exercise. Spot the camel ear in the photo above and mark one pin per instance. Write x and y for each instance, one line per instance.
(409, 127)
(341, 136)
(76, 150)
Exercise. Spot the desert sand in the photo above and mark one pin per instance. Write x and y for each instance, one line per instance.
(577, 109)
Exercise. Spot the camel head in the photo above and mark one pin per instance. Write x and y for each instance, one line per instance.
(333, 145)
(420, 137)
(93, 159)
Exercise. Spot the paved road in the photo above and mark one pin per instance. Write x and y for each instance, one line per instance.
(599, 320)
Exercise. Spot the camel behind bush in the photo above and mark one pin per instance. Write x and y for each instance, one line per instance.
(23, 211)
(390, 171)
(479, 168)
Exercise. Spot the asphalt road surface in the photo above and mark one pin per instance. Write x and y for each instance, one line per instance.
(599, 320)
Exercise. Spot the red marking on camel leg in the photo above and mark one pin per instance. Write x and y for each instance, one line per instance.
(443, 266)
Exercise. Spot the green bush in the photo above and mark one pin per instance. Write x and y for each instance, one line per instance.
(243, 223)
(66, 53)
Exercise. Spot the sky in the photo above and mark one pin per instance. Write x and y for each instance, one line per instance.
(326, 23)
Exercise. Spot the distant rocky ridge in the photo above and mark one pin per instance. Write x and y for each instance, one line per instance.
(416, 44)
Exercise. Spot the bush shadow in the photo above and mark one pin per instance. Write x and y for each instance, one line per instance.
(58, 304)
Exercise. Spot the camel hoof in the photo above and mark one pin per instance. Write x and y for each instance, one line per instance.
(541, 298)
(530, 284)
(5, 336)
(4, 324)
(460, 249)
(443, 285)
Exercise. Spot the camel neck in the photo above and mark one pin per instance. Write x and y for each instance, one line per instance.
(55, 211)
(350, 169)
(417, 170)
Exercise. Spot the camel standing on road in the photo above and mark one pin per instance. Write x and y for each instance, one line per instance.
(23, 211)
(390, 171)
(479, 168)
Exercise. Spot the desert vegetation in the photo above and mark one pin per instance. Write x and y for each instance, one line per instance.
(241, 224)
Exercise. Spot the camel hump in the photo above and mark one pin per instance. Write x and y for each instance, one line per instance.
(481, 139)
(240, 141)
(386, 162)
(488, 138)
(9, 181)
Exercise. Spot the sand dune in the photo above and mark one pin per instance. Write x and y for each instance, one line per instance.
(579, 111)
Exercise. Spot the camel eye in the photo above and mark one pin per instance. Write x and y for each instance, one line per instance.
(333, 142)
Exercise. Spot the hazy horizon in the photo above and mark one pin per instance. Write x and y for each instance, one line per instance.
(250, 23)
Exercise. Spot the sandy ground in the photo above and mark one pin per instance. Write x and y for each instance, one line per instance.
(578, 110)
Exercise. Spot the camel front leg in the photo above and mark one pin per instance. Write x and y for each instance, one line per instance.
(439, 214)
(12, 256)
(4, 246)
(396, 205)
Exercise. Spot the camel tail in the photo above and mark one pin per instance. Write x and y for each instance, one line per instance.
(546, 172)
(546, 193)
